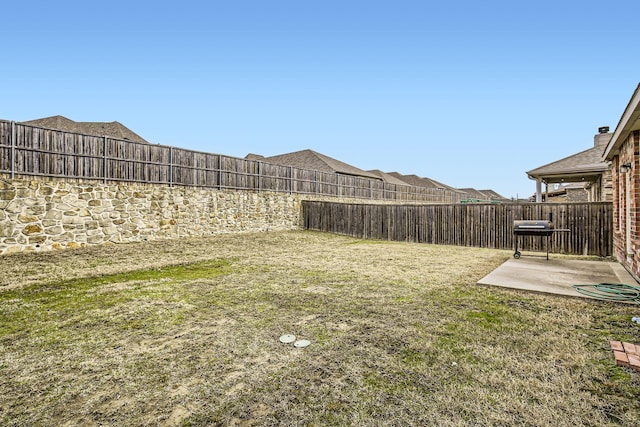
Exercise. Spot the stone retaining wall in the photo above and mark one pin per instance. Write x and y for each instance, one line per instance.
(52, 214)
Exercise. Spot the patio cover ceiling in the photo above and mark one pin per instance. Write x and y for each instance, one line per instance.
(585, 173)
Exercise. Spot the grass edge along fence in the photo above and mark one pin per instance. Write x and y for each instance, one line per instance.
(27, 150)
(590, 225)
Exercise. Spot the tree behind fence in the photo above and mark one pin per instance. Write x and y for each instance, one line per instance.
(27, 150)
(590, 225)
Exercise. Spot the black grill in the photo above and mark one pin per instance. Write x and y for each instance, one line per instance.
(540, 228)
(532, 228)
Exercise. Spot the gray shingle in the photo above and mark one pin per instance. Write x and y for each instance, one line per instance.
(583, 162)
(309, 159)
(388, 178)
(422, 182)
(112, 129)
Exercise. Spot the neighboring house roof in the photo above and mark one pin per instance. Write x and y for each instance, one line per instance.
(482, 194)
(112, 129)
(586, 165)
(472, 192)
(415, 180)
(309, 159)
(493, 195)
(388, 178)
(422, 182)
(629, 122)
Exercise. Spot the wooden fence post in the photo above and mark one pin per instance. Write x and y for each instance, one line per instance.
(13, 150)
(170, 166)
(220, 172)
(104, 159)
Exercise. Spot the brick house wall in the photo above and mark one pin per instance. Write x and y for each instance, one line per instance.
(626, 202)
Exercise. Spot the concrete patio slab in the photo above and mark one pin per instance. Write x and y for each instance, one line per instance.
(555, 276)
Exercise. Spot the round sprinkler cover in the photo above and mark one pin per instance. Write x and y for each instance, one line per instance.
(287, 338)
(302, 343)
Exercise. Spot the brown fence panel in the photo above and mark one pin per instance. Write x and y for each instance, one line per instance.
(120, 161)
(307, 181)
(208, 173)
(160, 164)
(328, 184)
(194, 168)
(27, 150)
(44, 152)
(239, 174)
(6, 158)
(276, 177)
(588, 225)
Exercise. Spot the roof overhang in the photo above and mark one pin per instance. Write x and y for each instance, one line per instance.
(629, 122)
(553, 179)
(585, 173)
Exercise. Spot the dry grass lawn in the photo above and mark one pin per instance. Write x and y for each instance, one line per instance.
(186, 334)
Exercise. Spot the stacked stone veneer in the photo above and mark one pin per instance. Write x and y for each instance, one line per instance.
(51, 214)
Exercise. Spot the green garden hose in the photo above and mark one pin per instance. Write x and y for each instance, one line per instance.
(610, 291)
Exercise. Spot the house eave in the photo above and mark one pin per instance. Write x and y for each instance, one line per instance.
(583, 173)
(629, 122)
(564, 178)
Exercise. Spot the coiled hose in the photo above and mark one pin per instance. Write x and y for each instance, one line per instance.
(611, 292)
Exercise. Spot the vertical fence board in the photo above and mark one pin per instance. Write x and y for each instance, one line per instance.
(5, 146)
(590, 225)
(53, 153)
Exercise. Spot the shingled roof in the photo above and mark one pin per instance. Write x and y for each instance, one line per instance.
(474, 194)
(388, 178)
(482, 194)
(585, 165)
(309, 159)
(492, 195)
(422, 182)
(112, 129)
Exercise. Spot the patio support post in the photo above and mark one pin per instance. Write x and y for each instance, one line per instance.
(539, 190)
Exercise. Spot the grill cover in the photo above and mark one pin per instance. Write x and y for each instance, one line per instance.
(533, 228)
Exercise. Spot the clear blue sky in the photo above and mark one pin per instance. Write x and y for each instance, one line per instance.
(469, 93)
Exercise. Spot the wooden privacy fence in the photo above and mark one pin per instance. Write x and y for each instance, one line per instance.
(27, 150)
(590, 225)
